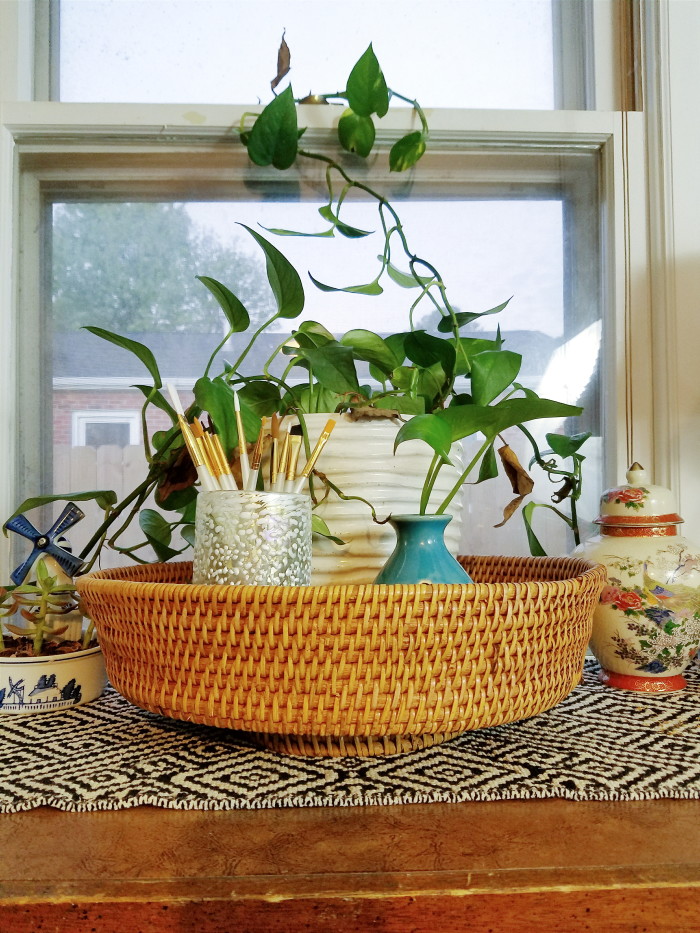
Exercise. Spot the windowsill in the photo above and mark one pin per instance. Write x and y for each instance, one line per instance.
(523, 865)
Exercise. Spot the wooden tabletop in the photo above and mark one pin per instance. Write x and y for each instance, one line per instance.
(503, 867)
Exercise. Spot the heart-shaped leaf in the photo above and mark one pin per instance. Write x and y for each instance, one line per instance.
(333, 366)
(157, 532)
(469, 347)
(188, 533)
(406, 151)
(319, 527)
(234, 309)
(372, 288)
(216, 397)
(315, 333)
(261, 397)
(490, 420)
(564, 445)
(133, 346)
(466, 317)
(356, 133)
(273, 137)
(431, 430)
(326, 211)
(492, 371)
(283, 278)
(405, 279)
(366, 89)
(371, 348)
(425, 350)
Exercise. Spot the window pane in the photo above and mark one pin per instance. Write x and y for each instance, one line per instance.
(131, 267)
(99, 434)
(448, 53)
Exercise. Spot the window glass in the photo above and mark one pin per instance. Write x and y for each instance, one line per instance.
(451, 53)
(131, 267)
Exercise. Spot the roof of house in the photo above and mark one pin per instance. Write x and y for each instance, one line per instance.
(184, 356)
(178, 355)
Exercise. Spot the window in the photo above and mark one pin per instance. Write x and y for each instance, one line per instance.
(529, 226)
(555, 176)
(103, 428)
(491, 53)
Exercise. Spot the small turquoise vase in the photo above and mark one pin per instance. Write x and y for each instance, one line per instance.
(421, 555)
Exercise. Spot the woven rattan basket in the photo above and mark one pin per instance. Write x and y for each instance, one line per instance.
(348, 670)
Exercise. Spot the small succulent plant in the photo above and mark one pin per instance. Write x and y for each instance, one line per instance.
(41, 604)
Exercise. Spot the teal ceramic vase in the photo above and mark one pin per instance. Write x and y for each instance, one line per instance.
(421, 555)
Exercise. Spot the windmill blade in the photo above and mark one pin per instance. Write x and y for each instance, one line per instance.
(68, 517)
(22, 526)
(69, 563)
(18, 576)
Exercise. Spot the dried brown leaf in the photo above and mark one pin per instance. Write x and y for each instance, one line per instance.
(181, 474)
(284, 63)
(520, 480)
(510, 510)
(370, 414)
(564, 490)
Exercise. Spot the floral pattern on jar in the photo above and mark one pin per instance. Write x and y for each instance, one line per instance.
(662, 618)
(632, 497)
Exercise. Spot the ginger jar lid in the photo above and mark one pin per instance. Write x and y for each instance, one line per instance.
(639, 503)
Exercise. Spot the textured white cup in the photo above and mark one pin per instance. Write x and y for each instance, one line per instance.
(255, 538)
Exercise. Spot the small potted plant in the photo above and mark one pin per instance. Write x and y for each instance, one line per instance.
(49, 657)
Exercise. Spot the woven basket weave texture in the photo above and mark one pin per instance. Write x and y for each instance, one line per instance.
(348, 660)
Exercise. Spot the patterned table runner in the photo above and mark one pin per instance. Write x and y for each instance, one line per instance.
(598, 744)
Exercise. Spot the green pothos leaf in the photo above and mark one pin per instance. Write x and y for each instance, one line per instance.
(133, 346)
(406, 151)
(366, 90)
(158, 533)
(104, 498)
(372, 288)
(431, 430)
(280, 231)
(405, 279)
(319, 527)
(466, 317)
(234, 309)
(274, 135)
(356, 133)
(283, 278)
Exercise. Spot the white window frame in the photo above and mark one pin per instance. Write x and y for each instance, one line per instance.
(81, 419)
(637, 204)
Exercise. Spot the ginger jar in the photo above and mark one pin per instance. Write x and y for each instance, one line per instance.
(646, 627)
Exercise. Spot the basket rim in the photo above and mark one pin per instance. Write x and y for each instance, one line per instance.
(111, 577)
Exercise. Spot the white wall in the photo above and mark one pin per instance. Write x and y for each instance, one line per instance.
(682, 169)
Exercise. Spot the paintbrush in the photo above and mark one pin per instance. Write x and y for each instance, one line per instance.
(256, 458)
(242, 444)
(207, 480)
(315, 454)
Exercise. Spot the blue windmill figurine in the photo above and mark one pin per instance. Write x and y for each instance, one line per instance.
(49, 544)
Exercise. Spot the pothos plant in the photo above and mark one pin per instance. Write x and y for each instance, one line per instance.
(414, 372)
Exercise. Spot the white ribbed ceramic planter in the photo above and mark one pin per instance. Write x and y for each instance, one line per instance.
(359, 458)
(43, 685)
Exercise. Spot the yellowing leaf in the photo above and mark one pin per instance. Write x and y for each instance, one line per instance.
(520, 480)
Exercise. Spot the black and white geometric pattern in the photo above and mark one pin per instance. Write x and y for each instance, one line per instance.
(598, 744)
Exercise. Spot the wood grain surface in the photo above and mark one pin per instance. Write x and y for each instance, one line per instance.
(545, 865)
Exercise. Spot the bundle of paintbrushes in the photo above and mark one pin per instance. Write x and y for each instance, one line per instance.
(214, 470)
